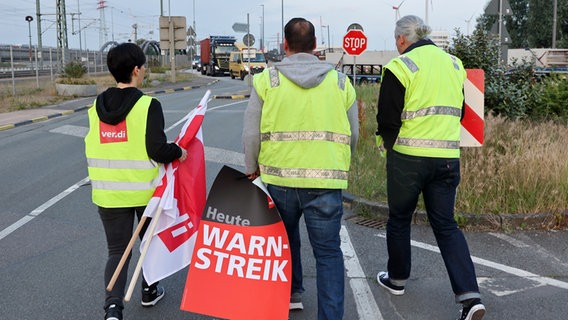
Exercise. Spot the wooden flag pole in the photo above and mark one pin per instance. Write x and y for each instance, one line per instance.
(126, 253)
(153, 224)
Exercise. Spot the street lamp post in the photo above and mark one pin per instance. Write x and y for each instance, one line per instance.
(29, 19)
(262, 30)
(328, 41)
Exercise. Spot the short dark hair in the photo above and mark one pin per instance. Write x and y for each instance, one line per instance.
(300, 35)
(122, 59)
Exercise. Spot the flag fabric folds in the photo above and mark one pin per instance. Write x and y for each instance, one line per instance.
(180, 198)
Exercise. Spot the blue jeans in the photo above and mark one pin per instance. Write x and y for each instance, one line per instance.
(323, 210)
(437, 179)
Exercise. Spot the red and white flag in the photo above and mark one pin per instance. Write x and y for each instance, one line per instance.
(181, 198)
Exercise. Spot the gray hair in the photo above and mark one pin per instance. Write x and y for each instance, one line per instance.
(413, 28)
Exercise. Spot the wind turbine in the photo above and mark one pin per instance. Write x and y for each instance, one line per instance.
(468, 21)
(396, 13)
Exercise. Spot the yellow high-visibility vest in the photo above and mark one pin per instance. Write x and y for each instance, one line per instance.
(121, 172)
(305, 133)
(433, 102)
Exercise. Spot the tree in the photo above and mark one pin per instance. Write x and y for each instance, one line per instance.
(517, 23)
(507, 92)
(540, 24)
(530, 26)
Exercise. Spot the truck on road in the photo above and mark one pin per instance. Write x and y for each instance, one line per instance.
(246, 60)
(215, 54)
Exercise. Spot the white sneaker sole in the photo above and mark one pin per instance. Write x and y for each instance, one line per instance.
(476, 313)
(391, 290)
(296, 306)
(153, 302)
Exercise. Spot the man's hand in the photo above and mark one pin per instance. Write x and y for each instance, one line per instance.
(254, 175)
(380, 145)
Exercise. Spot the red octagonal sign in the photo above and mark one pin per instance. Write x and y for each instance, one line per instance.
(354, 42)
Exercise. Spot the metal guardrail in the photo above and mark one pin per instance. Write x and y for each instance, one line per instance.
(6, 74)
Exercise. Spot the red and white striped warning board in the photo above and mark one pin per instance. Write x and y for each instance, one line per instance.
(472, 122)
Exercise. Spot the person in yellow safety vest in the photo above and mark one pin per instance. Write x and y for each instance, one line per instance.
(124, 146)
(300, 129)
(419, 111)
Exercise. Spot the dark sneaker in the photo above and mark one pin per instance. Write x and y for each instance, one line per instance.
(384, 281)
(113, 312)
(475, 311)
(151, 295)
(296, 301)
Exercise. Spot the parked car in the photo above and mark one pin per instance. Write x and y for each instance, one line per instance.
(196, 63)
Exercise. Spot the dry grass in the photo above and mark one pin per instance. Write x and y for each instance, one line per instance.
(29, 96)
(521, 167)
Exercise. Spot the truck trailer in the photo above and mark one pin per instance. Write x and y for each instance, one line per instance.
(215, 53)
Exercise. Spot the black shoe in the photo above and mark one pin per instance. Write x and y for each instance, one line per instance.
(384, 281)
(113, 312)
(475, 311)
(151, 295)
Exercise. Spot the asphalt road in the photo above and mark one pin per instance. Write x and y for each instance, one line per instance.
(52, 246)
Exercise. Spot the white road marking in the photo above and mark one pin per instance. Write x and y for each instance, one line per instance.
(39, 210)
(498, 266)
(367, 307)
(514, 242)
(76, 131)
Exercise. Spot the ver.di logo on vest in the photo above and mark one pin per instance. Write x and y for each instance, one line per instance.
(110, 134)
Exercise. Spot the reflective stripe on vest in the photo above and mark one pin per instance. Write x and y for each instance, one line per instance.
(425, 143)
(305, 173)
(124, 185)
(120, 164)
(450, 111)
(121, 172)
(307, 135)
(409, 63)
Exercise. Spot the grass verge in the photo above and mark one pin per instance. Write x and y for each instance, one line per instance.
(520, 169)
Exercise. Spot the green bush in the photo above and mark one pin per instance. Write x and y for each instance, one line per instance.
(553, 94)
(513, 93)
(74, 69)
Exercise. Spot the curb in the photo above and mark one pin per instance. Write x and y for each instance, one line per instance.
(234, 97)
(478, 222)
(179, 89)
(43, 118)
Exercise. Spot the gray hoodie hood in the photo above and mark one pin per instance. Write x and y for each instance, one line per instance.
(304, 69)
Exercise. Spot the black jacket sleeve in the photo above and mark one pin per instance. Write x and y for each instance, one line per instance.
(389, 109)
(156, 141)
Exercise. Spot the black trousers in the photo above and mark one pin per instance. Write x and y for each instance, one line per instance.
(118, 224)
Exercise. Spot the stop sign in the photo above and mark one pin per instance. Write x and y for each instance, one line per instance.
(354, 42)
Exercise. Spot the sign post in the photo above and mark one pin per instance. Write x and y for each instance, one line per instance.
(172, 36)
(354, 43)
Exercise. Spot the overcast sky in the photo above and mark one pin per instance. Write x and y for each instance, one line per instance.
(216, 17)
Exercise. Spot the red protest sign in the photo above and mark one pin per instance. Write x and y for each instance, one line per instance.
(241, 265)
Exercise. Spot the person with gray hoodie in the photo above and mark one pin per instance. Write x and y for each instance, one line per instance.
(300, 129)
